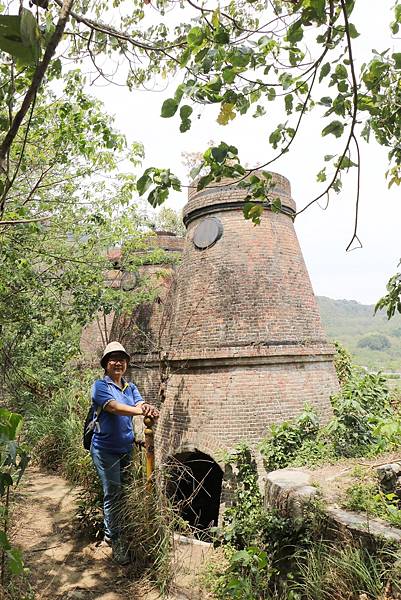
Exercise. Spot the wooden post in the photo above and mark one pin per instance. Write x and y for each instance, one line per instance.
(150, 448)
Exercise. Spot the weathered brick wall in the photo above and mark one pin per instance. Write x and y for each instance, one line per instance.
(213, 409)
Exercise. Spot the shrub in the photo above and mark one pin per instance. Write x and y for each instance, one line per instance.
(375, 341)
(363, 400)
(365, 495)
(284, 441)
(342, 363)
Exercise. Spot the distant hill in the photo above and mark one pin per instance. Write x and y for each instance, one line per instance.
(373, 340)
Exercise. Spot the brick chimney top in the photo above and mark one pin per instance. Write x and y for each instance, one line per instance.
(227, 195)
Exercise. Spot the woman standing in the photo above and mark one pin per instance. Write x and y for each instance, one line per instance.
(113, 437)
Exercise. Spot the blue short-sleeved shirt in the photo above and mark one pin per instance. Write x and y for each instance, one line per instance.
(114, 433)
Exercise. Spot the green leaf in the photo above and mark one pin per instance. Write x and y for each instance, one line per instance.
(12, 42)
(319, 7)
(341, 72)
(195, 37)
(221, 36)
(275, 136)
(143, 184)
(226, 113)
(335, 127)
(196, 170)
(228, 75)
(204, 181)
(157, 196)
(321, 176)
(30, 33)
(295, 32)
(5, 482)
(324, 71)
(185, 111)
(276, 205)
(352, 31)
(397, 59)
(219, 153)
(271, 94)
(325, 101)
(185, 56)
(15, 562)
(346, 163)
(169, 108)
(240, 57)
(253, 212)
(185, 125)
(289, 100)
(216, 18)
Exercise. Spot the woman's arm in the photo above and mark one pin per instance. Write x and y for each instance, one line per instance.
(118, 408)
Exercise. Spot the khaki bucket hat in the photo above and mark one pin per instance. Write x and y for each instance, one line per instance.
(113, 347)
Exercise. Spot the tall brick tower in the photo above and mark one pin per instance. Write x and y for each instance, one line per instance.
(245, 346)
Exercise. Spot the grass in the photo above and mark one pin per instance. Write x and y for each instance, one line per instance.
(326, 572)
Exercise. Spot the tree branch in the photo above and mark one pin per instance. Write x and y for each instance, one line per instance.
(17, 222)
(36, 81)
(120, 35)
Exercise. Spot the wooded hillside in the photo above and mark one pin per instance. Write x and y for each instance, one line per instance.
(374, 341)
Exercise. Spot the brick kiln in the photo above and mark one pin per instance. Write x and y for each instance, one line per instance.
(245, 346)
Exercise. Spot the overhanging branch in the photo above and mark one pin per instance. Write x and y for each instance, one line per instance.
(33, 89)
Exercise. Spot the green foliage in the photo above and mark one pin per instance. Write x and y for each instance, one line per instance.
(375, 342)
(342, 363)
(283, 561)
(148, 524)
(14, 459)
(55, 427)
(161, 181)
(364, 423)
(246, 510)
(257, 543)
(169, 220)
(247, 576)
(362, 401)
(365, 495)
(52, 271)
(391, 302)
(284, 441)
(20, 36)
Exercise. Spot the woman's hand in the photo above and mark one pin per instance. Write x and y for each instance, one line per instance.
(148, 410)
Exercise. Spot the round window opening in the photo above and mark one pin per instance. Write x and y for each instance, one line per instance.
(207, 233)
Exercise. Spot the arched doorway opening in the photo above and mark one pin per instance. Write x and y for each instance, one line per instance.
(194, 486)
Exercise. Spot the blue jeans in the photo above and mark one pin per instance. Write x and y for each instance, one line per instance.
(113, 472)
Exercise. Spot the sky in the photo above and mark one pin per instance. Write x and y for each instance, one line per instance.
(323, 234)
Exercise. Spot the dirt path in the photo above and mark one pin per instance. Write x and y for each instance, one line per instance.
(63, 564)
